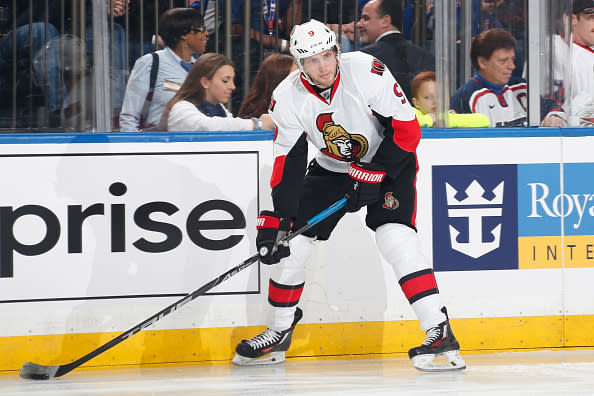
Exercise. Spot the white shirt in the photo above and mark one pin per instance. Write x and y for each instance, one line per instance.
(184, 116)
(506, 109)
(384, 34)
(581, 90)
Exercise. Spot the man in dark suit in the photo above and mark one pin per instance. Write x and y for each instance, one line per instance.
(379, 30)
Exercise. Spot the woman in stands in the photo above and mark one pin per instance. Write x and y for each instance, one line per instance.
(271, 72)
(198, 105)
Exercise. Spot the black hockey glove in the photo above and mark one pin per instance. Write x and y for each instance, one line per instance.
(271, 229)
(364, 185)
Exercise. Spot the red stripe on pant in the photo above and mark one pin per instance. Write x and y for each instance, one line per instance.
(284, 295)
(418, 285)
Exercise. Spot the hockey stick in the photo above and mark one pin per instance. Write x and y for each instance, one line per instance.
(41, 372)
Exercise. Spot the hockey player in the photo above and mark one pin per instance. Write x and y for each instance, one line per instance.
(356, 115)
(582, 64)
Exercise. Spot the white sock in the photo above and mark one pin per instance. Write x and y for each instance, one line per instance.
(399, 245)
(290, 271)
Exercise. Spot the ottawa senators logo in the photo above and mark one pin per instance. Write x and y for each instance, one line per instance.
(339, 143)
(390, 202)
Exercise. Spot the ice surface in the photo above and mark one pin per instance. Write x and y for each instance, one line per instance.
(511, 373)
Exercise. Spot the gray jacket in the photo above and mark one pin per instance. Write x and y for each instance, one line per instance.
(169, 79)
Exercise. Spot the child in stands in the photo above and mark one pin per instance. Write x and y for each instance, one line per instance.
(423, 88)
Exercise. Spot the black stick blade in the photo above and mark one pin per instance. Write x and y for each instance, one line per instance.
(37, 371)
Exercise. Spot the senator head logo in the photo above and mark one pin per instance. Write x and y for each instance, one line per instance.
(340, 144)
(390, 202)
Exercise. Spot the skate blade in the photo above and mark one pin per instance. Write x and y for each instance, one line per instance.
(425, 362)
(271, 358)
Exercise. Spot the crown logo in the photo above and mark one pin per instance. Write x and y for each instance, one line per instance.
(474, 194)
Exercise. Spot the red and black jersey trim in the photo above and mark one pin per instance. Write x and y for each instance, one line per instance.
(314, 92)
(287, 179)
(284, 295)
(377, 67)
(584, 47)
(405, 134)
(418, 285)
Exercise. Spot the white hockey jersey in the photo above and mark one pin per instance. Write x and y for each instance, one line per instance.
(505, 105)
(505, 108)
(365, 105)
(581, 92)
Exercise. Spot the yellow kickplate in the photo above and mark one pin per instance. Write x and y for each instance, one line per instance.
(214, 345)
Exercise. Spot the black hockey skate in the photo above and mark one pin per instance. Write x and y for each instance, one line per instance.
(268, 347)
(440, 341)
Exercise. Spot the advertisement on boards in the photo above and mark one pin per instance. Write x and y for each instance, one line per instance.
(508, 216)
(106, 225)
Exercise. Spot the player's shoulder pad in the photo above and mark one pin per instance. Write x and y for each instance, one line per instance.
(356, 59)
(355, 56)
(287, 100)
(365, 66)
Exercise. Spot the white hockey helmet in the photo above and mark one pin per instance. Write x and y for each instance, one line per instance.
(309, 39)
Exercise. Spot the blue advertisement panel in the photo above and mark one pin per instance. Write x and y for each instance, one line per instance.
(539, 216)
(556, 225)
(578, 198)
(475, 217)
(538, 200)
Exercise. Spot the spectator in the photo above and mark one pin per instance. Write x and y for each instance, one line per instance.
(142, 25)
(48, 89)
(74, 99)
(483, 16)
(511, 15)
(581, 102)
(379, 28)
(424, 96)
(493, 91)
(347, 37)
(276, 15)
(274, 33)
(197, 106)
(183, 32)
(333, 15)
(208, 9)
(408, 22)
(271, 72)
(65, 58)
